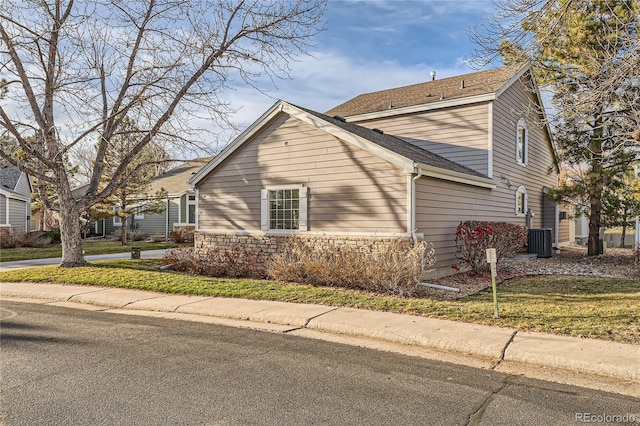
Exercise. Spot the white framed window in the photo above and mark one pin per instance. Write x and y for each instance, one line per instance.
(284, 208)
(522, 142)
(191, 209)
(521, 201)
(139, 214)
(117, 221)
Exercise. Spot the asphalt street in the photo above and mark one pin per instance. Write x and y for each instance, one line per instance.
(69, 367)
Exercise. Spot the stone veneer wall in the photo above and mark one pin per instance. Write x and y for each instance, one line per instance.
(270, 244)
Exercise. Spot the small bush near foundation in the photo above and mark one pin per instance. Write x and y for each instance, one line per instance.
(35, 239)
(387, 267)
(236, 262)
(134, 235)
(474, 237)
(182, 234)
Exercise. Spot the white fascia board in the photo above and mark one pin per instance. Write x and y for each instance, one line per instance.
(525, 67)
(14, 195)
(436, 172)
(237, 143)
(446, 103)
(386, 154)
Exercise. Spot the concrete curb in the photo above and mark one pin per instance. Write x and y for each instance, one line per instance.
(608, 366)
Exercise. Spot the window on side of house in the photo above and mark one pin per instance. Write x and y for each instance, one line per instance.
(191, 209)
(522, 142)
(139, 214)
(284, 209)
(117, 221)
(521, 201)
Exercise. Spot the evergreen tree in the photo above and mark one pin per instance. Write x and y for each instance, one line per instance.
(132, 196)
(588, 53)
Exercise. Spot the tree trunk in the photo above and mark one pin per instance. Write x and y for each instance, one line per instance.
(123, 221)
(624, 235)
(593, 246)
(70, 234)
(595, 187)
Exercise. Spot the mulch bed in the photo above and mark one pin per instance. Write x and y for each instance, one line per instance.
(615, 263)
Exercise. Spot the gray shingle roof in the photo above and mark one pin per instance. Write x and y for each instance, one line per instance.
(9, 176)
(175, 180)
(458, 87)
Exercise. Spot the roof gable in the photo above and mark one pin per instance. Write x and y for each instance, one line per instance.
(393, 149)
(175, 180)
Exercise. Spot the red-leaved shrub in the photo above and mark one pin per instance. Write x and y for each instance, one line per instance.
(474, 237)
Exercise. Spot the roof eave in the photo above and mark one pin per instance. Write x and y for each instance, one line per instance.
(452, 176)
(13, 195)
(446, 103)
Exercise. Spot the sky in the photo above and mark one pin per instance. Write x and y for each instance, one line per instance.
(372, 45)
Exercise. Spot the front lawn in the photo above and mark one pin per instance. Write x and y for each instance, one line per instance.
(89, 247)
(602, 308)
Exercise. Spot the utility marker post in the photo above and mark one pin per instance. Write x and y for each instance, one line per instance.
(491, 259)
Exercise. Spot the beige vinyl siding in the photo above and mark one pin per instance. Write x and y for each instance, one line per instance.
(565, 234)
(17, 215)
(350, 190)
(442, 205)
(23, 187)
(456, 133)
(3, 210)
(514, 103)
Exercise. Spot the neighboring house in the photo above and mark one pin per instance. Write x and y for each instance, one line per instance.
(410, 162)
(15, 199)
(179, 204)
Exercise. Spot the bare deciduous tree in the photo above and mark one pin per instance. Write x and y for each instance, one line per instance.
(75, 69)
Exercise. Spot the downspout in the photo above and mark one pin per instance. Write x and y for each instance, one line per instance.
(413, 207)
(166, 228)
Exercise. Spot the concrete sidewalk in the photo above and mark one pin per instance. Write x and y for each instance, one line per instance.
(607, 366)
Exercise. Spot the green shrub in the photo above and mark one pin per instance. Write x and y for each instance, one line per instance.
(53, 235)
(381, 267)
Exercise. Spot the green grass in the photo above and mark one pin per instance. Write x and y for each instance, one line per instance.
(89, 247)
(577, 306)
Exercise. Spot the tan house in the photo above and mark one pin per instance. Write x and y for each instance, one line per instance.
(410, 162)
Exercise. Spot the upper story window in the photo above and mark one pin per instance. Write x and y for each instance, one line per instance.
(521, 201)
(284, 208)
(522, 142)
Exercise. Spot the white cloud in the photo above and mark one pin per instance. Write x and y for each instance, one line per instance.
(326, 80)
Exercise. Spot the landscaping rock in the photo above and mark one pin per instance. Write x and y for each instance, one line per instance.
(615, 263)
